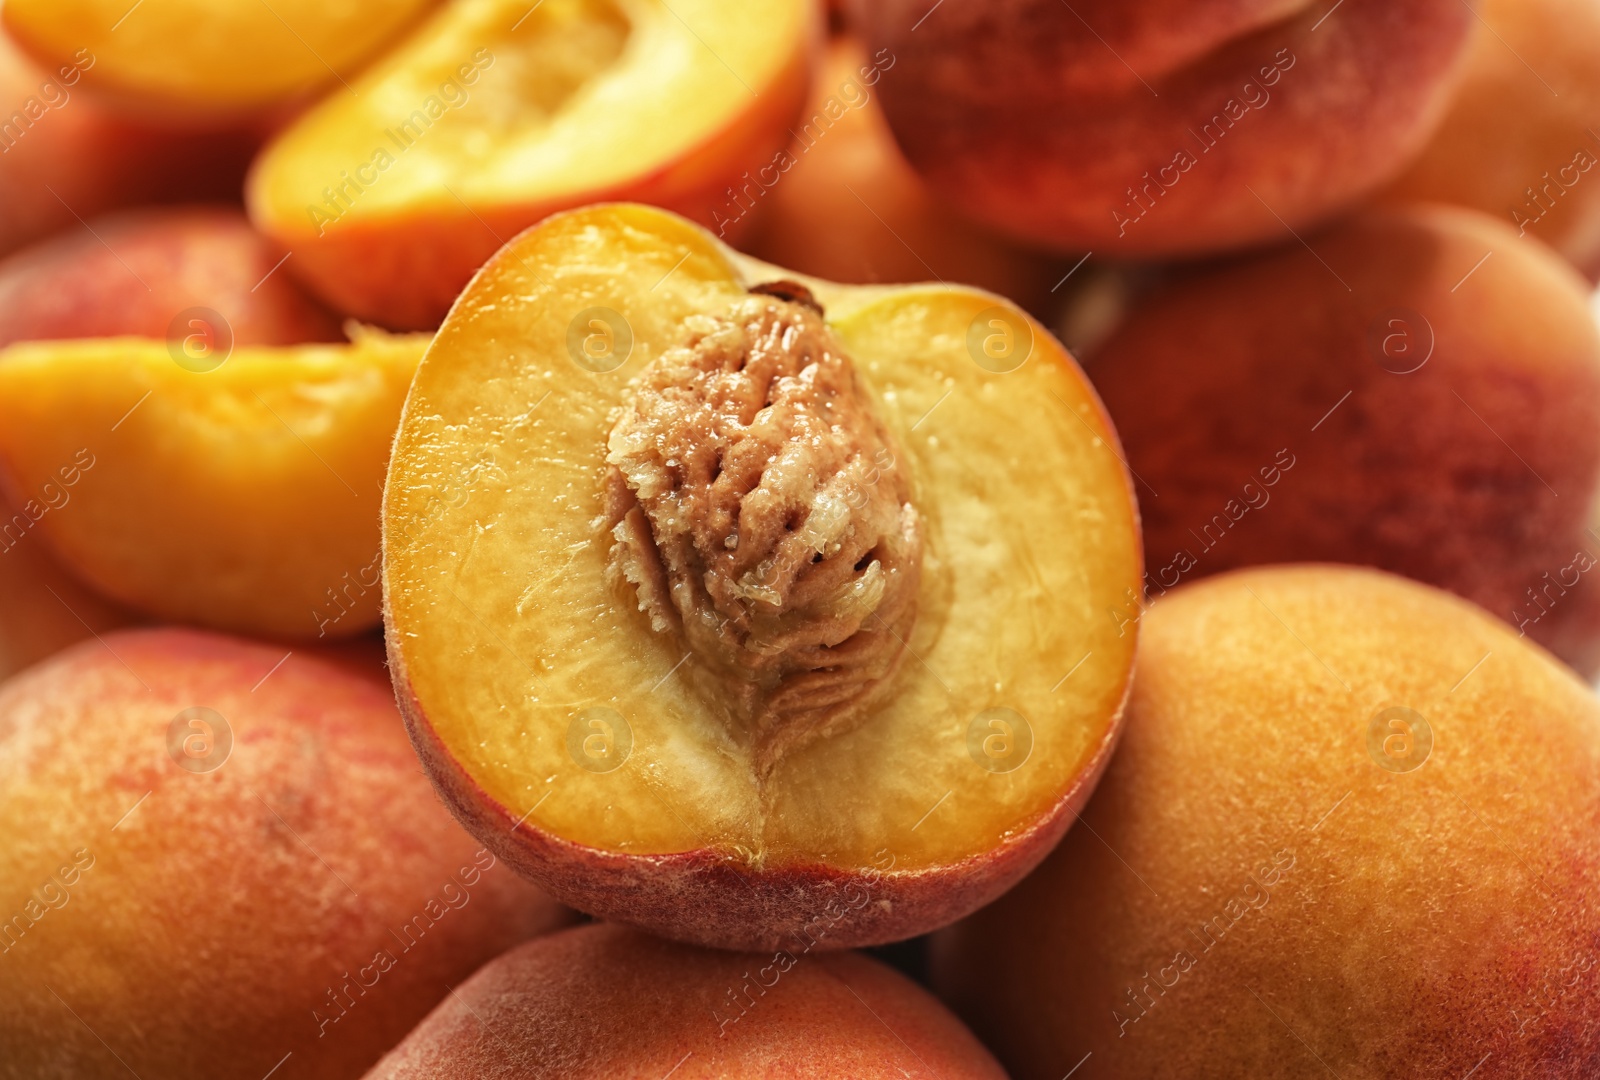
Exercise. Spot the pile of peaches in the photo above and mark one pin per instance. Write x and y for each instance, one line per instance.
(570, 538)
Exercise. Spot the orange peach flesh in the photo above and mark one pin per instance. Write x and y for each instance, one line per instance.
(582, 101)
(605, 1001)
(1353, 828)
(219, 856)
(1400, 397)
(512, 656)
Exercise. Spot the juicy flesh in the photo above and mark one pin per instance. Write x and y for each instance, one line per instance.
(575, 95)
(503, 619)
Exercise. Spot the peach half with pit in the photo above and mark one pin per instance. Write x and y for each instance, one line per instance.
(781, 610)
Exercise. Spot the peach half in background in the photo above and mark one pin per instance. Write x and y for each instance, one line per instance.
(236, 489)
(773, 618)
(494, 114)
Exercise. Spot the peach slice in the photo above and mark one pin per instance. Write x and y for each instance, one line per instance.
(843, 203)
(1154, 128)
(221, 860)
(606, 1002)
(1419, 390)
(1522, 137)
(43, 609)
(895, 679)
(1353, 830)
(141, 273)
(205, 57)
(243, 496)
(496, 113)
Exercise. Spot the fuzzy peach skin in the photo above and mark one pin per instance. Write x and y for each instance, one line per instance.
(844, 204)
(66, 155)
(608, 1002)
(515, 113)
(201, 58)
(1281, 883)
(1162, 128)
(505, 625)
(1522, 137)
(140, 271)
(43, 608)
(1271, 410)
(172, 910)
(243, 496)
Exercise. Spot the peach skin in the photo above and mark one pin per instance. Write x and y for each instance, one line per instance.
(221, 861)
(493, 115)
(235, 491)
(1353, 830)
(1520, 140)
(846, 691)
(607, 1003)
(142, 273)
(1159, 128)
(1418, 390)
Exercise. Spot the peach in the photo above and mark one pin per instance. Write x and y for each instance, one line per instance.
(1418, 390)
(138, 273)
(1520, 138)
(748, 610)
(201, 57)
(1162, 127)
(43, 609)
(1353, 830)
(494, 114)
(236, 488)
(604, 1001)
(221, 860)
(846, 206)
(66, 156)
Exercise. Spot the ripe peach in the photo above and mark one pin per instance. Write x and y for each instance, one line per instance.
(136, 273)
(1162, 127)
(607, 1002)
(845, 205)
(43, 609)
(494, 114)
(66, 156)
(221, 860)
(1353, 830)
(1418, 390)
(201, 58)
(1520, 140)
(243, 496)
(748, 610)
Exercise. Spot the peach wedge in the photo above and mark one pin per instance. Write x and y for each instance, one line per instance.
(235, 491)
(778, 612)
(496, 113)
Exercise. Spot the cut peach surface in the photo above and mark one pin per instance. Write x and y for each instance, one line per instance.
(839, 670)
(221, 860)
(211, 56)
(493, 115)
(243, 497)
(608, 1003)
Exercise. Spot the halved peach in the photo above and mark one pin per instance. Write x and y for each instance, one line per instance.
(242, 496)
(496, 113)
(780, 612)
(206, 57)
